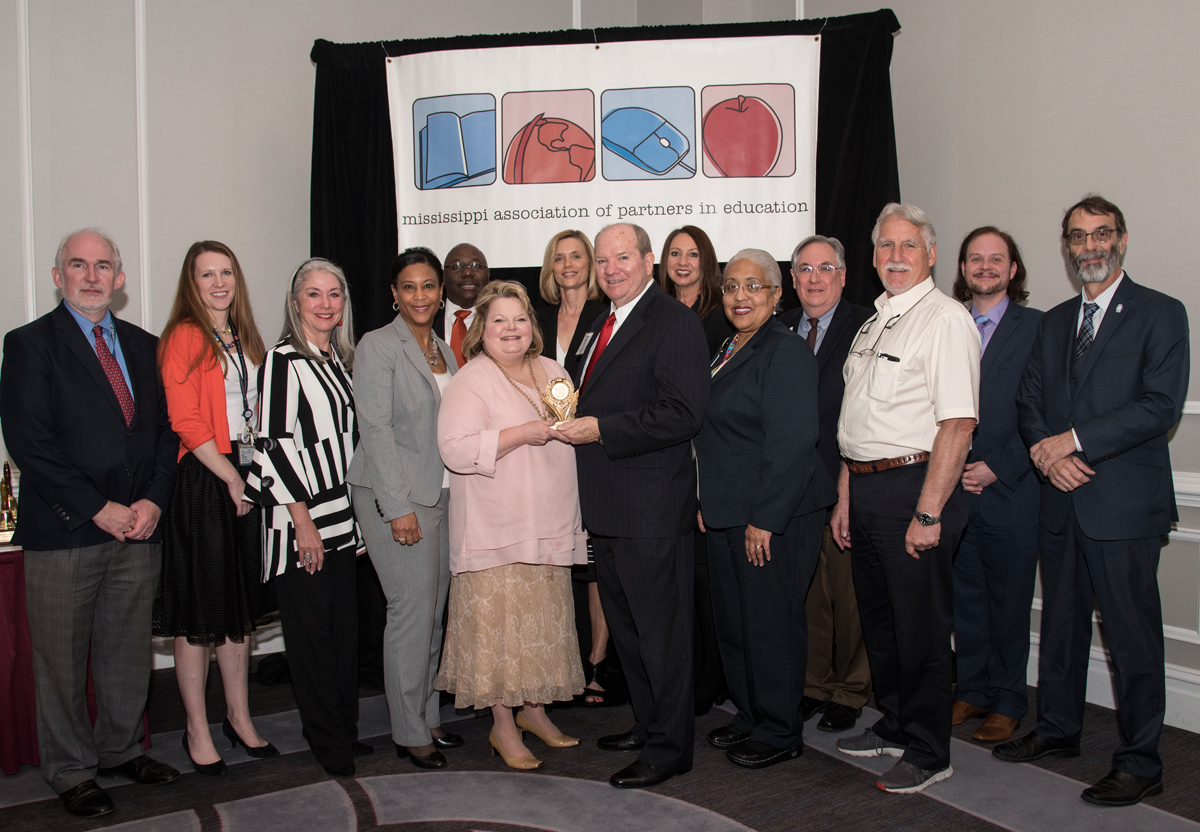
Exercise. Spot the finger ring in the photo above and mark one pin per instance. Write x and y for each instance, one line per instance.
(759, 546)
(400, 539)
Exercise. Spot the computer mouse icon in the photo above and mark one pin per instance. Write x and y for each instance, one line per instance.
(645, 139)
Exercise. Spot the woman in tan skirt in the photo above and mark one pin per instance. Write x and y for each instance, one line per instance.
(515, 530)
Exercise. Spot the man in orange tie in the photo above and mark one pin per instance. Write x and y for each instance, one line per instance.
(466, 271)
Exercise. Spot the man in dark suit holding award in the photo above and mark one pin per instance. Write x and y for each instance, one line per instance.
(85, 419)
(838, 677)
(1106, 380)
(643, 390)
(997, 557)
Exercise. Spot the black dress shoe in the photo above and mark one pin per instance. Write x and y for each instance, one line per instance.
(87, 800)
(639, 775)
(433, 760)
(726, 737)
(216, 769)
(753, 754)
(838, 718)
(628, 741)
(1119, 788)
(1032, 747)
(143, 770)
(360, 749)
(257, 751)
(344, 770)
(448, 740)
(810, 706)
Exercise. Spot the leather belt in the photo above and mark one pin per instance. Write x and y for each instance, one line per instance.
(884, 464)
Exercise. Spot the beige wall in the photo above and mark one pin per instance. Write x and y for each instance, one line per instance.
(1005, 114)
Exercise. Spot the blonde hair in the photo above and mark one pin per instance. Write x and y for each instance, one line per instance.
(496, 289)
(546, 283)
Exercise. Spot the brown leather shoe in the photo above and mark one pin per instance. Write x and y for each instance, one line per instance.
(996, 728)
(962, 711)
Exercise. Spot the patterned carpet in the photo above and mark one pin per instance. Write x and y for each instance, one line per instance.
(821, 790)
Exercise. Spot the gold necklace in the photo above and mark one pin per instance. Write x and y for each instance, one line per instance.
(533, 404)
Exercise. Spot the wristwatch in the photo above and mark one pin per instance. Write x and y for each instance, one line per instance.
(926, 519)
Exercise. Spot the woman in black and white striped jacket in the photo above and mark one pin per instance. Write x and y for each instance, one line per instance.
(307, 433)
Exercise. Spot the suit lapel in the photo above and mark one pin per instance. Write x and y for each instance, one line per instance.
(413, 352)
(1116, 313)
(995, 346)
(70, 332)
(629, 328)
(837, 326)
(743, 355)
(133, 363)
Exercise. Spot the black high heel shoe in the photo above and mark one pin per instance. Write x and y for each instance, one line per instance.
(217, 769)
(262, 751)
(594, 673)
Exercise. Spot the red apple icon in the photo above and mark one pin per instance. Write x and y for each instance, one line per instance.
(742, 136)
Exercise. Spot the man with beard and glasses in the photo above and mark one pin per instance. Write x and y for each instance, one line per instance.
(1106, 380)
(465, 273)
(996, 561)
(911, 403)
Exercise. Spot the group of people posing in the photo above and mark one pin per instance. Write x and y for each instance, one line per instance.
(824, 495)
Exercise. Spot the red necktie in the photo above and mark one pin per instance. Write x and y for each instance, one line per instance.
(113, 370)
(811, 338)
(458, 333)
(605, 334)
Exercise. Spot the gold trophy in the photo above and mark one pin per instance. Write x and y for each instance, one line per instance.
(561, 397)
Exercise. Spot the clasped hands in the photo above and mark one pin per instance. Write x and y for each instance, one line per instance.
(133, 522)
(1055, 458)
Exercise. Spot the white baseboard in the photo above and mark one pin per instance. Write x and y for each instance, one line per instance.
(1187, 488)
(268, 639)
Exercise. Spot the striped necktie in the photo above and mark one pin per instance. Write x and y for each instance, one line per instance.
(1087, 332)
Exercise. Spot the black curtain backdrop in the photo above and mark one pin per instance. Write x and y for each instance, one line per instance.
(353, 198)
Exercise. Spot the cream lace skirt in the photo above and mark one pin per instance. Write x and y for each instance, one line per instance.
(511, 637)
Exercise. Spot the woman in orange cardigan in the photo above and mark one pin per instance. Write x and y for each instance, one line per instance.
(211, 593)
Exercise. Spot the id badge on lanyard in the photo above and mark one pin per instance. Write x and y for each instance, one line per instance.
(245, 454)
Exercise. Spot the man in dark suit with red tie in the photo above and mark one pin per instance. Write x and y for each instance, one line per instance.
(85, 419)
(837, 680)
(643, 386)
(464, 273)
(1106, 381)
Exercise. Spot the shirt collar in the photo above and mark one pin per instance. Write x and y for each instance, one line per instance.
(899, 304)
(623, 312)
(995, 314)
(1105, 297)
(823, 320)
(86, 325)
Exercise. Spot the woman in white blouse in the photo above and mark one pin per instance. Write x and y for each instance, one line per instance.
(307, 433)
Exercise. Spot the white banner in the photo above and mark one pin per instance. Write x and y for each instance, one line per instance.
(505, 147)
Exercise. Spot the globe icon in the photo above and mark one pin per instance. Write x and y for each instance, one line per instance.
(550, 150)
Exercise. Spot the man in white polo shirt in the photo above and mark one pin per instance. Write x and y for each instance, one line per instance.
(911, 404)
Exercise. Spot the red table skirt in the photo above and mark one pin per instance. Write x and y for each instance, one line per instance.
(18, 709)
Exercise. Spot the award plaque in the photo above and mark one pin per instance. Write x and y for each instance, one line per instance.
(561, 397)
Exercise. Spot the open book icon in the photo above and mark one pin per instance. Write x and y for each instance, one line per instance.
(458, 151)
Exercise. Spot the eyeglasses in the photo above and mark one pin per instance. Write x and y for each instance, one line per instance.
(823, 270)
(1100, 235)
(459, 265)
(752, 288)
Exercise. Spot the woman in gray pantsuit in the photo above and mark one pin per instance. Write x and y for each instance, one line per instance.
(400, 494)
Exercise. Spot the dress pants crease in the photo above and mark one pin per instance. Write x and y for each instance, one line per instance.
(762, 626)
(838, 669)
(1120, 577)
(994, 571)
(646, 589)
(416, 581)
(320, 630)
(98, 598)
(906, 605)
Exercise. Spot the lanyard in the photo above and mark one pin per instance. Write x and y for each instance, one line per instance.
(243, 378)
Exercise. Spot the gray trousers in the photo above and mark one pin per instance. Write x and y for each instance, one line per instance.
(98, 598)
(416, 581)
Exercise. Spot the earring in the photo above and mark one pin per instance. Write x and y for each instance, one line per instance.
(442, 303)
(339, 323)
(395, 306)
